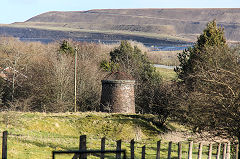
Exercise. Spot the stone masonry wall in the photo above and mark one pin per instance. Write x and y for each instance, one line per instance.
(118, 96)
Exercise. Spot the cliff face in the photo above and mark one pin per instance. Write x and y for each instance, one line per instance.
(174, 24)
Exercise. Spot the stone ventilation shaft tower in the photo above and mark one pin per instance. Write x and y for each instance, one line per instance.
(118, 93)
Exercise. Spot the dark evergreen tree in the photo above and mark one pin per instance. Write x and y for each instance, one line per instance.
(191, 58)
(210, 97)
(66, 48)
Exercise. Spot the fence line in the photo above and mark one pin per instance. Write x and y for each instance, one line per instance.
(222, 152)
(226, 150)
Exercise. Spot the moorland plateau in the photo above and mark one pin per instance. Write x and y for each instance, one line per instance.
(153, 26)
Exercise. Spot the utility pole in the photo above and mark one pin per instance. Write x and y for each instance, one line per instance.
(75, 82)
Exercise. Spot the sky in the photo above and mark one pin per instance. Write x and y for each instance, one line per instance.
(21, 10)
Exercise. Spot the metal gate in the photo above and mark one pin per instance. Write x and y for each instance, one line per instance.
(82, 154)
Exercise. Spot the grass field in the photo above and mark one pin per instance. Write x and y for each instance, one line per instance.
(36, 135)
(167, 74)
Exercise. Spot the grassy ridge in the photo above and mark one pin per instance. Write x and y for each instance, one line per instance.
(171, 25)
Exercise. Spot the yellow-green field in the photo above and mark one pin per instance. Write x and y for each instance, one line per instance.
(36, 135)
(167, 74)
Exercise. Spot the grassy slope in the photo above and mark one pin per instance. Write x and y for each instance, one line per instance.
(35, 135)
(173, 22)
(168, 58)
(170, 25)
(167, 74)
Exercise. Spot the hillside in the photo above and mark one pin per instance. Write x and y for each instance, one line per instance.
(36, 135)
(49, 34)
(143, 25)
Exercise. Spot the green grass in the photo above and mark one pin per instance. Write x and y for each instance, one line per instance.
(36, 135)
(167, 74)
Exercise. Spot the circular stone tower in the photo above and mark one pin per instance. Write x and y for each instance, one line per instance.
(118, 93)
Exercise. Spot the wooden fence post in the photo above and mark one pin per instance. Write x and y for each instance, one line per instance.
(228, 150)
(190, 150)
(237, 150)
(83, 146)
(200, 150)
(53, 155)
(119, 145)
(169, 149)
(218, 151)
(4, 145)
(103, 142)
(210, 151)
(224, 150)
(179, 150)
(132, 148)
(158, 149)
(143, 152)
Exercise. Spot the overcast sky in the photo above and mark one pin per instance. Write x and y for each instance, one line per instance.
(21, 10)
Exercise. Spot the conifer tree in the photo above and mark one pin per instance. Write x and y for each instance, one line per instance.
(212, 36)
(209, 96)
(66, 48)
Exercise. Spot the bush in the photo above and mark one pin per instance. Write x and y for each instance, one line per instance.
(49, 85)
